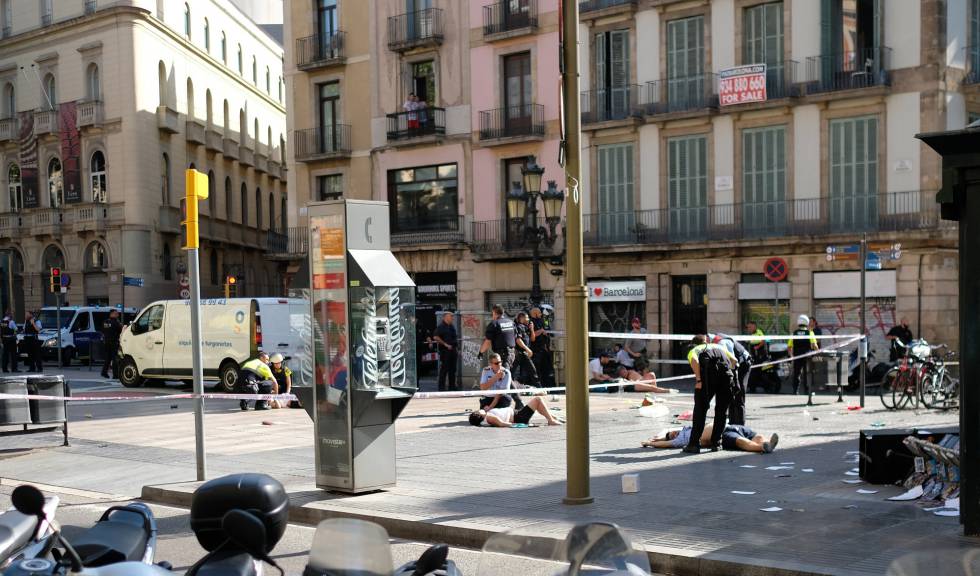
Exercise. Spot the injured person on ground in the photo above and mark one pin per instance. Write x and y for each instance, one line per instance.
(734, 438)
(505, 417)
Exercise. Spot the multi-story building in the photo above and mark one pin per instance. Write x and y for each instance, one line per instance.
(105, 104)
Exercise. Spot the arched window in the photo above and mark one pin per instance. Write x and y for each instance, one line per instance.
(244, 205)
(95, 257)
(268, 81)
(241, 64)
(280, 89)
(228, 198)
(258, 208)
(227, 120)
(224, 48)
(162, 79)
(243, 126)
(282, 149)
(93, 85)
(210, 104)
(255, 133)
(187, 20)
(165, 180)
(255, 72)
(268, 140)
(9, 101)
(56, 183)
(190, 99)
(99, 189)
(50, 96)
(272, 211)
(212, 199)
(167, 269)
(13, 188)
(214, 266)
(207, 36)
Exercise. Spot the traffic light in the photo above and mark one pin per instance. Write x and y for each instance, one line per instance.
(231, 286)
(55, 280)
(196, 184)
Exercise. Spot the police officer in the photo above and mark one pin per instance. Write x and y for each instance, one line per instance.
(8, 335)
(801, 366)
(736, 411)
(713, 368)
(500, 336)
(111, 329)
(255, 377)
(524, 339)
(32, 331)
(445, 337)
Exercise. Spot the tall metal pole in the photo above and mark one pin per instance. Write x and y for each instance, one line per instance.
(576, 334)
(863, 344)
(197, 362)
(535, 253)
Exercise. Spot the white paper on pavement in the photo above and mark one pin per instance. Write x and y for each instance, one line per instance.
(850, 473)
(787, 463)
(779, 468)
(953, 503)
(852, 481)
(771, 509)
(912, 494)
(866, 491)
(747, 466)
(947, 512)
(743, 492)
(808, 469)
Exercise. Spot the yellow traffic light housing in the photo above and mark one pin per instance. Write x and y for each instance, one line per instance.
(196, 184)
(231, 286)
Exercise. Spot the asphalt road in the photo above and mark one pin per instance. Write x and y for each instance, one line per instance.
(177, 544)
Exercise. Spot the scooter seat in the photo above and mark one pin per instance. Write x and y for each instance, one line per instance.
(120, 536)
(15, 531)
(226, 563)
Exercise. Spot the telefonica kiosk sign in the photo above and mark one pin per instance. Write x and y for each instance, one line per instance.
(617, 291)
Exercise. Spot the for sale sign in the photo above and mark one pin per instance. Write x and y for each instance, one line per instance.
(742, 84)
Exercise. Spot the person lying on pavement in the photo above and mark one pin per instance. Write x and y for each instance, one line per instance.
(734, 438)
(505, 417)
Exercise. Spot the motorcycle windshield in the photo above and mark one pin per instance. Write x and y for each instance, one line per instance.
(588, 549)
(349, 547)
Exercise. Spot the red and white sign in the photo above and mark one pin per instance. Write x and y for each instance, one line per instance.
(742, 84)
(618, 291)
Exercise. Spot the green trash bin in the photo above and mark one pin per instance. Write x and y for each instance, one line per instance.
(14, 411)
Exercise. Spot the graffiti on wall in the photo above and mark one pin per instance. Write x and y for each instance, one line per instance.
(844, 317)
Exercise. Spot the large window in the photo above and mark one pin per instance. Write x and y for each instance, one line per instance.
(95, 257)
(518, 92)
(14, 190)
(224, 48)
(423, 81)
(424, 198)
(330, 187)
(850, 38)
(9, 101)
(56, 183)
(764, 180)
(228, 198)
(329, 104)
(687, 186)
(241, 63)
(50, 95)
(685, 62)
(212, 196)
(93, 85)
(207, 36)
(98, 175)
(617, 218)
(762, 28)
(258, 208)
(187, 20)
(165, 180)
(612, 75)
(244, 196)
(853, 180)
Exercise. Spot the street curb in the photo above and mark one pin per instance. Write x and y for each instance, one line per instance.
(662, 560)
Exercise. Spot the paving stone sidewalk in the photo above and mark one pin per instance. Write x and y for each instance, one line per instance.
(461, 483)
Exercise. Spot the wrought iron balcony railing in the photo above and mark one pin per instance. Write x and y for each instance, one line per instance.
(417, 231)
(507, 16)
(593, 5)
(316, 51)
(322, 142)
(414, 29)
(505, 238)
(848, 70)
(682, 94)
(512, 122)
(614, 103)
(293, 241)
(424, 122)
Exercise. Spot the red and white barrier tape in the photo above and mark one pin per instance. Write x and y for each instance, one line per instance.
(206, 396)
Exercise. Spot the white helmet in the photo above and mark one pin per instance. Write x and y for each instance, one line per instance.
(803, 320)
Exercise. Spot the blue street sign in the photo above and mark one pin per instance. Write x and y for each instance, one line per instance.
(131, 281)
(873, 262)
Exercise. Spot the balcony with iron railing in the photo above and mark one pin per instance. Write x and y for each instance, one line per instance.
(319, 51)
(525, 121)
(587, 7)
(612, 104)
(415, 30)
(682, 94)
(428, 230)
(886, 212)
(405, 126)
(507, 18)
(331, 141)
(505, 239)
(289, 244)
(8, 129)
(867, 68)
(89, 113)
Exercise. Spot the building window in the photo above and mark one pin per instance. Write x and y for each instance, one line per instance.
(512, 174)
(272, 212)
(850, 37)
(212, 196)
(9, 100)
(209, 112)
(50, 94)
(190, 99)
(214, 266)
(165, 180)
(14, 191)
(687, 186)
(284, 225)
(258, 208)
(162, 81)
(617, 216)
(56, 183)
(424, 198)
(224, 49)
(853, 183)
(207, 36)
(98, 175)
(228, 198)
(762, 28)
(6, 18)
(187, 20)
(244, 205)
(518, 93)
(329, 105)
(241, 65)
(268, 81)
(280, 89)
(764, 180)
(330, 187)
(95, 257)
(423, 76)
(685, 62)
(167, 269)
(93, 85)
(612, 74)
(255, 71)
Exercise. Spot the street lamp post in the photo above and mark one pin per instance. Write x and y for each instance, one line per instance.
(522, 207)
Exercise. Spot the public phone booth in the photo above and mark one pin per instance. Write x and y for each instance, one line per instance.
(363, 312)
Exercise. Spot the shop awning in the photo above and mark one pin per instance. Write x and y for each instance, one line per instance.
(381, 268)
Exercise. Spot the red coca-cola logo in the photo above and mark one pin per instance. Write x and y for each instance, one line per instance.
(597, 291)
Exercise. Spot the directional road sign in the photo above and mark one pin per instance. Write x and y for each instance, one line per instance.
(131, 281)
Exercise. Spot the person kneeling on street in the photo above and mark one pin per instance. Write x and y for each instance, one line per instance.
(714, 372)
(255, 377)
(506, 417)
(735, 437)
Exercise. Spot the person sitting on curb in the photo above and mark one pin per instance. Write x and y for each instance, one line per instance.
(627, 370)
(735, 437)
(284, 380)
(506, 418)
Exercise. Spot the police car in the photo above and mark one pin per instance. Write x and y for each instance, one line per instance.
(81, 328)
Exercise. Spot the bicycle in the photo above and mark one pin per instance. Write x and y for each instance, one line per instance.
(939, 390)
(902, 384)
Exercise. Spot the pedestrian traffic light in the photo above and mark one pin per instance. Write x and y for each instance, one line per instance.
(231, 286)
(55, 280)
(196, 184)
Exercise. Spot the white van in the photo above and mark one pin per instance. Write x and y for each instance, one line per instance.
(158, 344)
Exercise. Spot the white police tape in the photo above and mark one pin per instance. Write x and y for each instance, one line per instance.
(740, 337)
(207, 396)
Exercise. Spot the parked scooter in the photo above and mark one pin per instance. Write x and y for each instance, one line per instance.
(874, 373)
(24, 536)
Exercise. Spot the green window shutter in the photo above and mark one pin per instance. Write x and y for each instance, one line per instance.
(764, 180)
(616, 208)
(687, 185)
(974, 39)
(763, 31)
(827, 45)
(853, 181)
(685, 63)
(619, 68)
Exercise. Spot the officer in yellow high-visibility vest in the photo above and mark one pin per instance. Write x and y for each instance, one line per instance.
(801, 366)
(714, 372)
(255, 377)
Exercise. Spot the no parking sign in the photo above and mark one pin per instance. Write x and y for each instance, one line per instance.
(775, 269)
